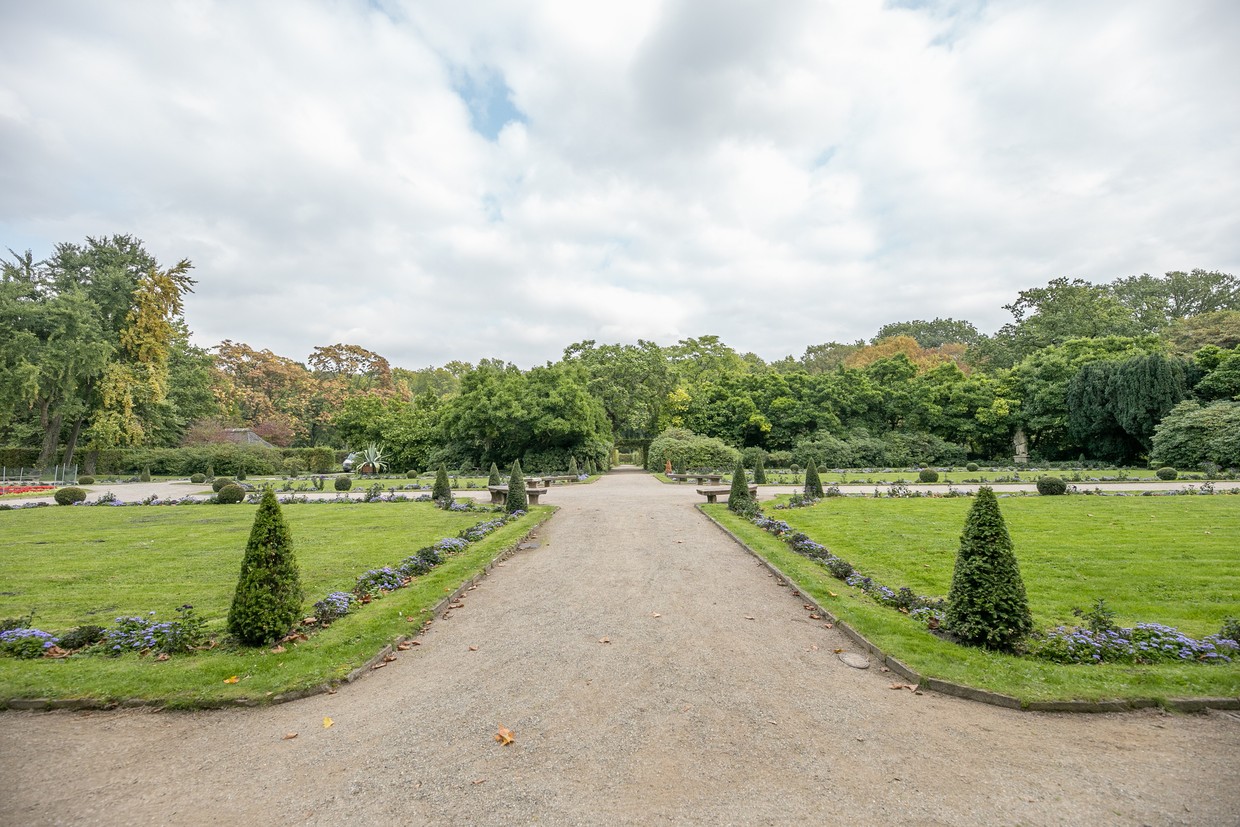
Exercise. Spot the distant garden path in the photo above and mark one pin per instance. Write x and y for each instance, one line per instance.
(652, 672)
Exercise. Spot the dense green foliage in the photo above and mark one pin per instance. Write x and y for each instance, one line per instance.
(686, 450)
(268, 597)
(1193, 434)
(987, 605)
(230, 494)
(1052, 486)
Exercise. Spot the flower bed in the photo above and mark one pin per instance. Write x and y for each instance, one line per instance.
(25, 489)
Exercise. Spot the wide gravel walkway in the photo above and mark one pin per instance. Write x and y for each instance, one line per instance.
(652, 672)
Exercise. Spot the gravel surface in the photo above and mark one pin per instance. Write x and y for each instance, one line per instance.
(651, 672)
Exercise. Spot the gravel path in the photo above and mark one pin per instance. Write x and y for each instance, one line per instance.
(652, 672)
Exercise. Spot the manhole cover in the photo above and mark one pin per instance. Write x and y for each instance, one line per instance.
(854, 660)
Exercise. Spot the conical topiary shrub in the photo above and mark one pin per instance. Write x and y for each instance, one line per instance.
(517, 499)
(495, 478)
(738, 497)
(813, 485)
(268, 598)
(987, 605)
(572, 467)
(442, 489)
(759, 471)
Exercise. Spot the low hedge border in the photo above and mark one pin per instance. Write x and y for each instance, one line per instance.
(972, 693)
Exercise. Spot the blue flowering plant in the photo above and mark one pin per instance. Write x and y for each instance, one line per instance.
(374, 581)
(26, 643)
(1143, 643)
(145, 634)
(333, 607)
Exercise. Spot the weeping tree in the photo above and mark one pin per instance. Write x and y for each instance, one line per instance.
(517, 499)
(987, 605)
(268, 598)
(813, 485)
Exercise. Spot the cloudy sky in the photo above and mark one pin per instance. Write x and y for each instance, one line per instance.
(438, 179)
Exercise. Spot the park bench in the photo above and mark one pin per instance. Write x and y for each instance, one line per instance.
(702, 479)
(712, 494)
(499, 494)
(560, 478)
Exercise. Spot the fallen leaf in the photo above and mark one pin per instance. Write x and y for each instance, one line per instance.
(749, 617)
(415, 643)
(379, 665)
(389, 658)
(163, 656)
(327, 722)
(769, 721)
(815, 617)
(837, 651)
(604, 640)
(288, 736)
(884, 669)
(808, 607)
(404, 646)
(473, 648)
(833, 594)
(411, 619)
(479, 781)
(655, 614)
(504, 735)
(233, 679)
(277, 650)
(909, 686)
(813, 647)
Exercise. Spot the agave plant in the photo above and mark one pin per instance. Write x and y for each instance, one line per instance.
(370, 460)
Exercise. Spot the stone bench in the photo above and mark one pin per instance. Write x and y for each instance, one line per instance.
(712, 494)
(560, 478)
(702, 479)
(499, 494)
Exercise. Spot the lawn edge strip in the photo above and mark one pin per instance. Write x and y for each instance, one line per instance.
(972, 693)
(328, 687)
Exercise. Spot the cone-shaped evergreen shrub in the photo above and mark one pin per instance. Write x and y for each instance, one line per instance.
(268, 598)
(210, 471)
(145, 476)
(572, 466)
(442, 489)
(987, 605)
(517, 499)
(739, 497)
(495, 478)
(759, 471)
(813, 485)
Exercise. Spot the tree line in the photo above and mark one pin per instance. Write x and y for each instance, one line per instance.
(95, 356)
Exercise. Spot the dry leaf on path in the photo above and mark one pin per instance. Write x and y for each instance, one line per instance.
(504, 735)
(389, 658)
(815, 617)
(288, 736)
(837, 651)
(604, 640)
(473, 648)
(912, 687)
(655, 614)
(327, 722)
(233, 679)
(749, 617)
(404, 646)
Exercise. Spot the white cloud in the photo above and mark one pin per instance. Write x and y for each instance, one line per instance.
(776, 175)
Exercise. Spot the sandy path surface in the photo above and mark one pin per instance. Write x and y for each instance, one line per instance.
(691, 713)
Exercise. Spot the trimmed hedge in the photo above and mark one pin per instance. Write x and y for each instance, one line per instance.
(69, 495)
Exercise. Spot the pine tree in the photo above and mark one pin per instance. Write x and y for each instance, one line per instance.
(495, 478)
(759, 471)
(268, 598)
(813, 485)
(517, 499)
(987, 605)
(442, 489)
(739, 497)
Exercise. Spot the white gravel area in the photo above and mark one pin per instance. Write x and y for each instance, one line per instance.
(652, 672)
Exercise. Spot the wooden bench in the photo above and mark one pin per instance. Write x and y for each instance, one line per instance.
(712, 494)
(701, 479)
(499, 494)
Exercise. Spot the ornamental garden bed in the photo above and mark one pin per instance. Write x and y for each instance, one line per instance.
(73, 566)
(1173, 561)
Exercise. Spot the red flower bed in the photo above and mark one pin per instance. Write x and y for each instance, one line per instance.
(25, 489)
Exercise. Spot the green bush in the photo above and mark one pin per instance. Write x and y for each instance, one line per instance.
(442, 490)
(685, 449)
(1052, 486)
(86, 479)
(494, 478)
(759, 471)
(972, 466)
(293, 466)
(813, 483)
(928, 475)
(411, 474)
(517, 498)
(220, 482)
(69, 495)
(241, 471)
(198, 479)
(572, 466)
(343, 482)
(230, 494)
(81, 637)
(738, 496)
(1166, 473)
(210, 475)
(987, 605)
(145, 476)
(268, 598)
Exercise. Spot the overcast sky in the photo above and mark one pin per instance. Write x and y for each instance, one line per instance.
(440, 179)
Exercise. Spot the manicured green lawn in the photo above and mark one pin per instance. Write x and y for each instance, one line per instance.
(1170, 560)
(90, 565)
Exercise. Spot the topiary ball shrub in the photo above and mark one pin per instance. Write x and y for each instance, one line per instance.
(86, 479)
(198, 479)
(220, 482)
(230, 494)
(69, 495)
(987, 605)
(1052, 486)
(972, 466)
(268, 598)
(1166, 473)
(411, 474)
(928, 475)
(343, 482)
